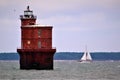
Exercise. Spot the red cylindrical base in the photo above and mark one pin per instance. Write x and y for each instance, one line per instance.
(36, 59)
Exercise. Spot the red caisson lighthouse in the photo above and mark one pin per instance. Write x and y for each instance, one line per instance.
(36, 50)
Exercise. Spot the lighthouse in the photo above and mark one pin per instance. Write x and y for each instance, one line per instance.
(36, 51)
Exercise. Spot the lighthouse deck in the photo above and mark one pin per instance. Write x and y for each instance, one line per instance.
(37, 50)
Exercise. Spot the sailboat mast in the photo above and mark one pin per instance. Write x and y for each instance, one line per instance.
(86, 51)
(85, 48)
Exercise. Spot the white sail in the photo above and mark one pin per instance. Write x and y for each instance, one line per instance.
(86, 56)
(89, 56)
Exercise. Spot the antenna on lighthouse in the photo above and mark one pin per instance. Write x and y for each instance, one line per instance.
(28, 8)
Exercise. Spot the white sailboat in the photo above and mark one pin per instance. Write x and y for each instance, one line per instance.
(86, 57)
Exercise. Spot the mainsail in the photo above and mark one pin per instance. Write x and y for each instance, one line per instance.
(86, 56)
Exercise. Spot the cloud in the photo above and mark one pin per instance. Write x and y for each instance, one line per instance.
(75, 3)
(79, 22)
(10, 35)
(85, 21)
(55, 5)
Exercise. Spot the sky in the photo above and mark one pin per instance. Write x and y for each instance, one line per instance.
(76, 23)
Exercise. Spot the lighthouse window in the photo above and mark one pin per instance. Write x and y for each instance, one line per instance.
(39, 44)
(28, 13)
(39, 32)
